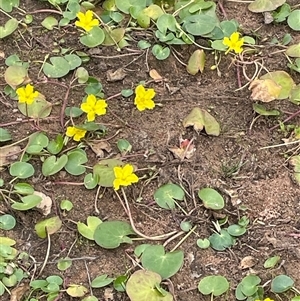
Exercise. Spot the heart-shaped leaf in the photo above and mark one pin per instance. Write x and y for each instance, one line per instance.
(221, 241)
(165, 195)
(166, 22)
(88, 230)
(211, 198)
(73, 60)
(90, 181)
(27, 202)
(59, 67)
(271, 262)
(74, 165)
(49, 225)
(143, 286)
(249, 285)
(203, 243)
(111, 234)
(155, 259)
(49, 22)
(215, 285)
(236, 230)
(10, 26)
(113, 36)
(64, 263)
(4, 135)
(52, 165)
(260, 6)
(161, 53)
(261, 110)
(56, 145)
(199, 119)
(93, 38)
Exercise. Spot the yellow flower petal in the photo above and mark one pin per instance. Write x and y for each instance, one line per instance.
(91, 116)
(70, 131)
(118, 172)
(139, 90)
(127, 170)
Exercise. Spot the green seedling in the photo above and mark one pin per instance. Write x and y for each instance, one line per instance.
(88, 230)
(110, 234)
(154, 258)
(213, 285)
(211, 199)
(144, 285)
(186, 226)
(166, 195)
(261, 110)
(222, 240)
(76, 159)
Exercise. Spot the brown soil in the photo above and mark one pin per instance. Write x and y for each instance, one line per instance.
(263, 183)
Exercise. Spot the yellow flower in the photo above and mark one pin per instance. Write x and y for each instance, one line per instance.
(266, 299)
(124, 176)
(27, 94)
(143, 98)
(93, 107)
(75, 132)
(234, 43)
(86, 21)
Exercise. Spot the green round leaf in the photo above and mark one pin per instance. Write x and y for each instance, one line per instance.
(21, 170)
(198, 25)
(7, 222)
(88, 230)
(23, 188)
(50, 226)
(90, 182)
(261, 110)
(56, 145)
(211, 199)
(59, 67)
(127, 92)
(101, 281)
(281, 284)
(215, 285)
(271, 262)
(27, 202)
(249, 285)
(74, 165)
(142, 44)
(93, 38)
(124, 146)
(10, 26)
(4, 135)
(111, 234)
(203, 243)
(66, 205)
(64, 263)
(49, 22)
(161, 53)
(166, 264)
(52, 165)
(236, 230)
(294, 20)
(221, 241)
(185, 226)
(166, 194)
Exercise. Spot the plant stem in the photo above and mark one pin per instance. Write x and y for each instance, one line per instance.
(184, 238)
(47, 253)
(159, 237)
